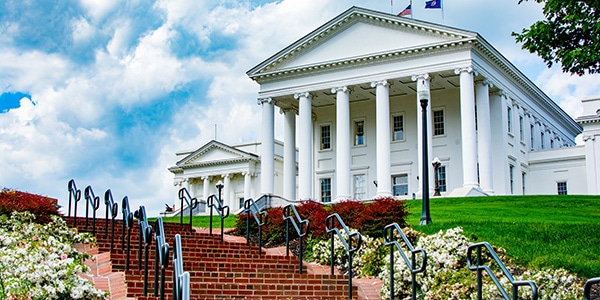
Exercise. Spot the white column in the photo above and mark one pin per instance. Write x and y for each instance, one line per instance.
(267, 161)
(289, 154)
(305, 140)
(247, 184)
(206, 183)
(467, 122)
(591, 164)
(484, 137)
(342, 145)
(423, 91)
(226, 197)
(177, 201)
(383, 136)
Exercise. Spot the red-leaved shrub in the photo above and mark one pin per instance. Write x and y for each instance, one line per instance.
(350, 211)
(316, 213)
(380, 213)
(42, 207)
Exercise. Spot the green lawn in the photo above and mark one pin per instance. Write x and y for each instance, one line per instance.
(202, 221)
(542, 231)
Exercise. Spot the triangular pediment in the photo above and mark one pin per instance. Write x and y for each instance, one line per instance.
(359, 34)
(214, 153)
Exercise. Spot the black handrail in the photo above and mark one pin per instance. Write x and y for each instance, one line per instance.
(222, 210)
(479, 267)
(161, 260)
(259, 216)
(127, 222)
(350, 245)
(181, 279)
(587, 288)
(389, 239)
(114, 212)
(75, 196)
(145, 237)
(192, 203)
(93, 200)
(290, 215)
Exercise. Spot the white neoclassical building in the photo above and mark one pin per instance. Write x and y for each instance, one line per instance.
(350, 94)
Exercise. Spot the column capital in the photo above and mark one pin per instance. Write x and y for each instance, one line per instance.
(384, 83)
(303, 94)
(344, 89)
(501, 94)
(590, 137)
(424, 76)
(467, 69)
(268, 100)
(485, 82)
(288, 110)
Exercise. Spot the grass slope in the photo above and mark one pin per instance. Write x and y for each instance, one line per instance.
(537, 231)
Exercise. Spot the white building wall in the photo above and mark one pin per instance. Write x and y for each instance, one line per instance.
(548, 167)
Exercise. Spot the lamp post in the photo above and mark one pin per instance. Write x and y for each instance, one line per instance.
(425, 216)
(220, 187)
(436, 163)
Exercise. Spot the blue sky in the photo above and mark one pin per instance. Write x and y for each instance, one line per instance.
(106, 91)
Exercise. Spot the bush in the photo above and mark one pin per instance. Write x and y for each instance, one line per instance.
(42, 207)
(316, 213)
(381, 213)
(351, 211)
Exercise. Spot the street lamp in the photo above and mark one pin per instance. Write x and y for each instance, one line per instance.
(436, 163)
(220, 187)
(425, 216)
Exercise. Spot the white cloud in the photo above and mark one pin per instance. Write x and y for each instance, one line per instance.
(99, 9)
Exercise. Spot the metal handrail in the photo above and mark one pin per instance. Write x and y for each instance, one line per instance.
(259, 216)
(350, 246)
(75, 196)
(222, 210)
(389, 240)
(181, 279)
(161, 261)
(587, 288)
(145, 237)
(127, 222)
(290, 215)
(93, 200)
(481, 267)
(114, 212)
(192, 203)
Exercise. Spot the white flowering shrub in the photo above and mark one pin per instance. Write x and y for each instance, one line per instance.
(40, 262)
(447, 276)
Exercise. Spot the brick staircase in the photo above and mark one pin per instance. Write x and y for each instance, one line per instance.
(218, 270)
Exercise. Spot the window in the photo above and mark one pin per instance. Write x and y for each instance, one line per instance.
(523, 181)
(561, 187)
(511, 174)
(400, 185)
(509, 119)
(441, 177)
(359, 133)
(241, 199)
(521, 129)
(325, 137)
(531, 136)
(360, 187)
(398, 129)
(438, 122)
(326, 190)
(542, 140)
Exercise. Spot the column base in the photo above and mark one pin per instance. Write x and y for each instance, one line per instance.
(339, 198)
(467, 191)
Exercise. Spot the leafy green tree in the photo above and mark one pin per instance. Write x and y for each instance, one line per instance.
(570, 35)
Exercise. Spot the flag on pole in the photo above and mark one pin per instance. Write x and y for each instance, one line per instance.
(433, 4)
(407, 11)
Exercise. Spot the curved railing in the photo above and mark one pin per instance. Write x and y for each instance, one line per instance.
(127, 223)
(181, 279)
(145, 239)
(291, 216)
(259, 216)
(222, 210)
(480, 266)
(94, 201)
(587, 288)
(192, 203)
(161, 258)
(389, 239)
(75, 196)
(352, 244)
(114, 212)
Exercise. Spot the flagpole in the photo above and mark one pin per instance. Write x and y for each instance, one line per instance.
(411, 11)
(392, 7)
(442, 13)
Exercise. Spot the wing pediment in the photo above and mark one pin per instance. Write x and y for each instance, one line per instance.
(214, 153)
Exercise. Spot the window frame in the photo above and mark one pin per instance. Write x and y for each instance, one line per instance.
(433, 122)
(521, 128)
(355, 135)
(509, 119)
(355, 187)
(393, 127)
(562, 188)
(442, 180)
(321, 144)
(403, 184)
(324, 192)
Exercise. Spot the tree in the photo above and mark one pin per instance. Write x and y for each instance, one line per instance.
(570, 35)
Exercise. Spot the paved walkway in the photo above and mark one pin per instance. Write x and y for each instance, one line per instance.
(368, 288)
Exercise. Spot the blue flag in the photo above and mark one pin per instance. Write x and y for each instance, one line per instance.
(433, 4)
